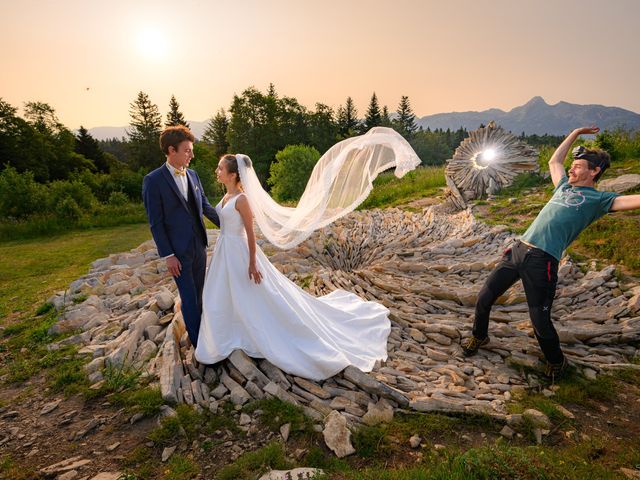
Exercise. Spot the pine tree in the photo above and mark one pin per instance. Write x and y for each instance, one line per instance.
(271, 91)
(174, 116)
(373, 118)
(216, 133)
(386, 120)
(146, 124)
(348, 122)
(405, 123)
(89, 148)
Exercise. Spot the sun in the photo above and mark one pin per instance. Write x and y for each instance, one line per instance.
(152, 44)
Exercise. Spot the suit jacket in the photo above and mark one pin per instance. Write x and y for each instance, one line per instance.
(173, 223)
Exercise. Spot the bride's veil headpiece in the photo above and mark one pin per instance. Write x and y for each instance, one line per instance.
(340, 181)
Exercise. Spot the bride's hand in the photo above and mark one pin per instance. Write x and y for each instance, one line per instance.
(254, 273)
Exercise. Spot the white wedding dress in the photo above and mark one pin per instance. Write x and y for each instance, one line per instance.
(301, 334)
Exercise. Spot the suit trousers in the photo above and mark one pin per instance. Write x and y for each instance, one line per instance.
(190, 285)
(539, 274)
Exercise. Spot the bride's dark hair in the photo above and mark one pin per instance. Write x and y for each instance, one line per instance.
(231, 161)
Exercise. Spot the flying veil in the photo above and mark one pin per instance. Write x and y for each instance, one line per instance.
(340, 181)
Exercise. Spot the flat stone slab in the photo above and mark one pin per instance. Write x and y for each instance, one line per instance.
(426, 268)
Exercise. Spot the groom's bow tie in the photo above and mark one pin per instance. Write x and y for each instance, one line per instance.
(182, 173)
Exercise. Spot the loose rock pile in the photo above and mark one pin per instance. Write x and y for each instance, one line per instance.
(427, 268)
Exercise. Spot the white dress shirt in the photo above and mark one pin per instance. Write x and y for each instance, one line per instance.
(181, 180)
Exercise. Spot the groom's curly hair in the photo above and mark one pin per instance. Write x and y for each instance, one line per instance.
(174, 136)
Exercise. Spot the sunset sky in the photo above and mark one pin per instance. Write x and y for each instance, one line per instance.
(88, 59)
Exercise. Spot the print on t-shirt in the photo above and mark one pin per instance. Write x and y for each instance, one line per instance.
(568, 197)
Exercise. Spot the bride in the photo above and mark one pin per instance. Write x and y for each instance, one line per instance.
(249, 305)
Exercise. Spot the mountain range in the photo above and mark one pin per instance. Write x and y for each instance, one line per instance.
(534, 117)
(538, 117)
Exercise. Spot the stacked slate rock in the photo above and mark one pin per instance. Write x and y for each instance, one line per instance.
(427, 268)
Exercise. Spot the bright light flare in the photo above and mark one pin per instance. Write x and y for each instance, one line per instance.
(152, 44)
(489, 154)
(484, 158)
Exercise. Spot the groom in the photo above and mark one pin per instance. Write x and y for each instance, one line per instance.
(175, 203)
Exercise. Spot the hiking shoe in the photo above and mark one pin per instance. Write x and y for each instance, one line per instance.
(471, 345)
(555, 371)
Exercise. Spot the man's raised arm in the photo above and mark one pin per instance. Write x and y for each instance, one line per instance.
(556, 162)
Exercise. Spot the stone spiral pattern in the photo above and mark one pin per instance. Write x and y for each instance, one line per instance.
(426, 267)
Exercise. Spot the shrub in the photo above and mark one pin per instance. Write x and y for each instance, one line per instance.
(118, 199)
(74, 190)
(20, 194)
(291, 171)
(125, 181)
(619, 143)
(68, 209)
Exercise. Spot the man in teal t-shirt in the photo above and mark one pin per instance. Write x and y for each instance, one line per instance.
(571, 209)
(534, 258)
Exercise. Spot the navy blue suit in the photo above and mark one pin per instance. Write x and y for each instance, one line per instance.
(178, 228)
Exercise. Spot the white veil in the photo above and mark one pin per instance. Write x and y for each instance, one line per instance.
(340, 181)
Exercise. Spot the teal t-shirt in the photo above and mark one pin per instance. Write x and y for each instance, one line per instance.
(568, 212)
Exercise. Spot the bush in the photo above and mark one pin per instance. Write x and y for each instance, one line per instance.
(20, 194)
(290, 172)
(128, 182)
(619, 143)
(68, 209)
(118, 199)
(74, 190)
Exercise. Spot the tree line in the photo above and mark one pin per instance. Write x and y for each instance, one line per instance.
(70, 175)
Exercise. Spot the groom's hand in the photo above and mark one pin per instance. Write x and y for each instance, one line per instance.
(174, 266)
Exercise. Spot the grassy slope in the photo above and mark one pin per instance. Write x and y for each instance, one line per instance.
(31, 270)
(390, 191)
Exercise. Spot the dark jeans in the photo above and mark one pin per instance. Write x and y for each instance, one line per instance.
(539, 274)
(190, 284)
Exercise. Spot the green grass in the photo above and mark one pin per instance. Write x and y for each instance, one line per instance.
(249, 465)
(120, 377)
(10, 470)
(628, 375)
(147, 400)
(188, 424)
(609, 238)
(142, 463)
(578, 390)
(26, 355)
(37, 269)
(32, 270)
(181, 468)
(185, 424)
(186, 427)
(390, 191)
(575, 390)
(374, 441)
(589, 459)
(276, 413)
(105, 216)
(499, 460)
